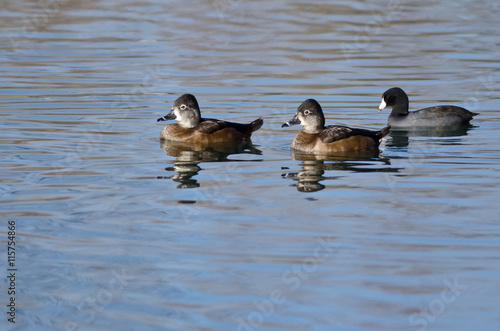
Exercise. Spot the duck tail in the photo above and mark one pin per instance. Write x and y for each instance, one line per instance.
(255, 125)
(384, 132)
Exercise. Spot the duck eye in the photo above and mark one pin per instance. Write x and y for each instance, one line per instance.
(307, 112)
(183, 107)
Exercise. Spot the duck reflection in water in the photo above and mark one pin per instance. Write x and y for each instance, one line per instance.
(314, 167)
(189, 155)
(401, 137)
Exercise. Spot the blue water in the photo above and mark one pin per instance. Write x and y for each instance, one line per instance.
(114, 230)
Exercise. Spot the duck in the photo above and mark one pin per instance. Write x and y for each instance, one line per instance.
(192, 128)
(437, 116)
(320, 139)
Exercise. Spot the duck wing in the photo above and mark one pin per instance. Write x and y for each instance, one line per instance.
(443, 111)
(210, 125)
(338, 132)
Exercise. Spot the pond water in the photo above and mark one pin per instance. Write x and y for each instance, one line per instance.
(115, 230)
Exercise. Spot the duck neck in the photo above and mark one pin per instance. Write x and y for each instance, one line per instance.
(314, 129)
(401, 109)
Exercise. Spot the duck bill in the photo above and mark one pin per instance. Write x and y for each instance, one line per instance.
(169, 116)
(293, 121)
(382, 105)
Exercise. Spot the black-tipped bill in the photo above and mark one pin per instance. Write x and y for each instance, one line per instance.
(169, 116)
(293, 121)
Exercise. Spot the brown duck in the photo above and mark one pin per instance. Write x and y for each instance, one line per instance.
(320, 139)
(192, 128)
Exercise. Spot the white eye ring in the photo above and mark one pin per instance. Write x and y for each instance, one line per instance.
(182, 107)
(307, 112)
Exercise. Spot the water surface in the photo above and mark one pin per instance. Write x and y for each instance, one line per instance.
(117, 231)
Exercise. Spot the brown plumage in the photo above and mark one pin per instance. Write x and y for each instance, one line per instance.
(316, 138)
(193, 128)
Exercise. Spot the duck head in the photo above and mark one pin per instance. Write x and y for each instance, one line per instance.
(396, 99)
(310, 116)
(185, 110)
